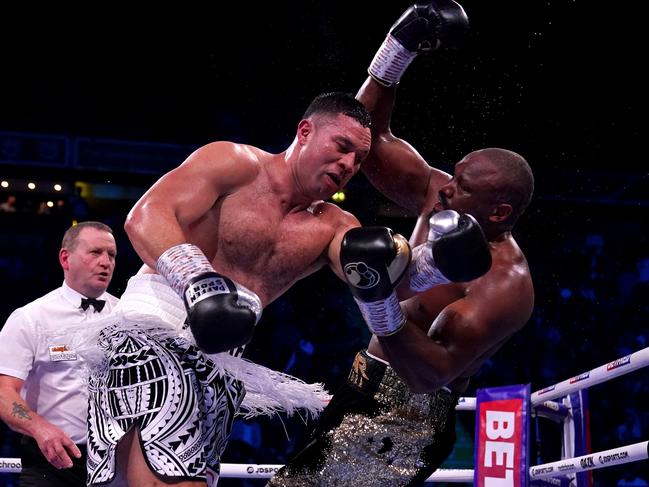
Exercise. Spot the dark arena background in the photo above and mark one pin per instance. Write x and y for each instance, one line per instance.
(109, 100)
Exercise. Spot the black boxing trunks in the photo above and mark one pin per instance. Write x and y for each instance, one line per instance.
(374, 432)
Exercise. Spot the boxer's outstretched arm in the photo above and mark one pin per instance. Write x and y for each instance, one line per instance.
(374, 259)
(347, 222)
(221, 313)
(180, 197)
(470, 328)
(394, 167)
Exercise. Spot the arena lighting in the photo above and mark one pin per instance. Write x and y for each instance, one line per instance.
(4, 184)
(338, 196)
(58, 187)
(31, 185)
(50, 204)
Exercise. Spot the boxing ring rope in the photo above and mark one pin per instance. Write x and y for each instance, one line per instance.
(592, 461)
(240, 471)
(540, 400)
(606, 372)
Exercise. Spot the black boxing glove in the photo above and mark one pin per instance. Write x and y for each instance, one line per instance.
(217, 316)
(456, 251)
(422, 27)
(373, 260)
(221, 313)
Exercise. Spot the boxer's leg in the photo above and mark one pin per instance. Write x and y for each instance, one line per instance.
(133, 470)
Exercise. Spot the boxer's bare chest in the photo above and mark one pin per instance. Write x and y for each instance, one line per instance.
(250, 238)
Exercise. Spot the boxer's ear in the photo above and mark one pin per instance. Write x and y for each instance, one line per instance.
(304, 129)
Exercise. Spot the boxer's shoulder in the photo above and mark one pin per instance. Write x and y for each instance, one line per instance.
(332, 214)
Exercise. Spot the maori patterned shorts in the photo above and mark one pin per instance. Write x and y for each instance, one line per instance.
(181, 406)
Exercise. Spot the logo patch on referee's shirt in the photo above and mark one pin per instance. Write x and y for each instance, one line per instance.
(60, 353)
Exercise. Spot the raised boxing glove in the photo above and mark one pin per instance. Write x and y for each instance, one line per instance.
(456, 251)
(221, 313)
(373, 260)
(422, 27)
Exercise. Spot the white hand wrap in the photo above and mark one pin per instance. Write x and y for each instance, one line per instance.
(423, 272)
(383, 318)
(180, 263)
(390, 62)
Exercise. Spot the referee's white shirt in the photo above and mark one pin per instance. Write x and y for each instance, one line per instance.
(34, 348)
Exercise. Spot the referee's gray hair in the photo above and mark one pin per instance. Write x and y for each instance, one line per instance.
(71, 235)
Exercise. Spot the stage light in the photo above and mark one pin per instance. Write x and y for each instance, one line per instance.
(31, 185)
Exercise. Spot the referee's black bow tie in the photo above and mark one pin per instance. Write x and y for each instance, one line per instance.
(98, 304)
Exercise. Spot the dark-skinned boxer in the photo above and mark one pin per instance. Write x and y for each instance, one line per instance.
(393, 422)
